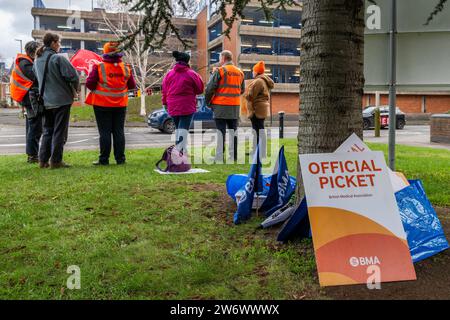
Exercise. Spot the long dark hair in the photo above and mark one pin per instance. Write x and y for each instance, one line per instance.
(49, 38)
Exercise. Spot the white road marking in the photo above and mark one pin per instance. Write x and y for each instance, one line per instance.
(12, 145)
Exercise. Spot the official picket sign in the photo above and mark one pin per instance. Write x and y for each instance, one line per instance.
(355, 222)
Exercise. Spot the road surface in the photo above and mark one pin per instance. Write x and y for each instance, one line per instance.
(12, 138)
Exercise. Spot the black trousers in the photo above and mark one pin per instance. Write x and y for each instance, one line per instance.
(222, 125)
(111, 122)
(33, 135)
(258, 127)
(56, 126)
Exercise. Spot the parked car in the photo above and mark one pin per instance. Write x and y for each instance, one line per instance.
(369, 117)
(162, 121)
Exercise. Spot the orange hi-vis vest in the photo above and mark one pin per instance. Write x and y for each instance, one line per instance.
(19, 83)
(229, 90)
(112, 89)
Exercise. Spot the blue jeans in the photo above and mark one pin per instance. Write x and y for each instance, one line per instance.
(33, 135)
(182, 125)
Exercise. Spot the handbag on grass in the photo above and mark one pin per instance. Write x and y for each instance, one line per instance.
(176, 161)
(37, 98)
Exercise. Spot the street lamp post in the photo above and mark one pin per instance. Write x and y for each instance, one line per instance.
(393, 85)
(21, 47)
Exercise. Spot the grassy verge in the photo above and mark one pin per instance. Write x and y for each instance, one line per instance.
(86, 113)
(139, 235)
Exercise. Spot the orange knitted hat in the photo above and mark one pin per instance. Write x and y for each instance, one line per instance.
(111, 47)
(259, 68)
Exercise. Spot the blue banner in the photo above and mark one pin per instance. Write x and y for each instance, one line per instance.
(253, 184)
(281, 189)
(422, 226)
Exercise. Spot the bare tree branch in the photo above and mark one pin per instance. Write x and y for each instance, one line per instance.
(437, 9)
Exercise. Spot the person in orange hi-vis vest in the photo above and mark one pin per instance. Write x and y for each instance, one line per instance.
(22, 82)
(222, 95)
(109, 83)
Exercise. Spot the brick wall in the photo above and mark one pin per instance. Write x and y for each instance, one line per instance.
(287, 102)
(440, 128)
(202, 43)
(414, 103)
(231, 43)
(437, 104)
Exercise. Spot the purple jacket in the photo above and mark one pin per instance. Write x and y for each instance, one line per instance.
(180, 88)
(93, 78)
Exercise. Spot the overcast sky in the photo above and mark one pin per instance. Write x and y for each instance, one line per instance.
(16, 22)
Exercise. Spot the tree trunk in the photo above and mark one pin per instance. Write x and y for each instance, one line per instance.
(332, 76)
(143, 109)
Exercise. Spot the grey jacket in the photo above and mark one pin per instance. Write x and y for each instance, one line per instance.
(62, 79)
(221, 112)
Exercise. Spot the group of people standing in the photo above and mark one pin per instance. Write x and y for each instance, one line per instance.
(42, 73)
(223, 95)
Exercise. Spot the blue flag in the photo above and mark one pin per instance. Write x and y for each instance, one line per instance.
(253, 184)
(281, 188)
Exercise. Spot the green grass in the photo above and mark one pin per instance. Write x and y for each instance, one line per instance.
(139, 235)
(86, 113)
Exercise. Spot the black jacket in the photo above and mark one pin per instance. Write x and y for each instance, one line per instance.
(27, 69)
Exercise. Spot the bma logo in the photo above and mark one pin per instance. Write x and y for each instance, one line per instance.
(364, 261)
(249, 189)
(283, 185)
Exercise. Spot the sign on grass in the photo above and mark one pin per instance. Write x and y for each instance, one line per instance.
(354, 217)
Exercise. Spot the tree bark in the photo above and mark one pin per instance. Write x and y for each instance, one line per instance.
(143, 109)
(332, 76)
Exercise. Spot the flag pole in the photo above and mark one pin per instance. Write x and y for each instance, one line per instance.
(392, 85)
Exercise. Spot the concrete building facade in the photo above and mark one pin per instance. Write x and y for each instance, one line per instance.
(423, 59)
(252, 39)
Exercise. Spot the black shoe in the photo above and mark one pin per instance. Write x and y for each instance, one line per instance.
(121, 163)
(33, 159)
(98, 163)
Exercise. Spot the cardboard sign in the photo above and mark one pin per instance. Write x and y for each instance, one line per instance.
(357, 231)
(355, 144)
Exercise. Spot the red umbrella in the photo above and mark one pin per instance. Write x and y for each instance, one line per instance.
(83, 60)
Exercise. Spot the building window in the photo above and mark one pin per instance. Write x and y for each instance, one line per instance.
(285, 74)
(281, 19)
(70, 46)
(96, 27)
(215, 31)
(270, 46)
(95, 46)
(278, 73)
(60, 24)
(188, 31)
(214, 54)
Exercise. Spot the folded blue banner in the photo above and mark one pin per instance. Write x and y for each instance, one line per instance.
(423, 229)
(281, 189)
(421, 223)
(252, 185)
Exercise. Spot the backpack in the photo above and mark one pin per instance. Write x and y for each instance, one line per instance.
(176, 161)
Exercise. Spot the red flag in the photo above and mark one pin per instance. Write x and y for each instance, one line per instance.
(83, 60)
